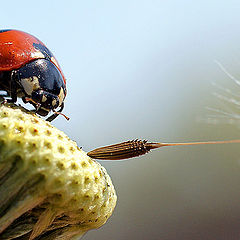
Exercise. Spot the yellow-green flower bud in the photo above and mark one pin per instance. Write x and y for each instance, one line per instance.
(49, 188)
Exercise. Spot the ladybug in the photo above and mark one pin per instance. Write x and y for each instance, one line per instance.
(29, 70)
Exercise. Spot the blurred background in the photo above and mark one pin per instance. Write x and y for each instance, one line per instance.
(144, 69)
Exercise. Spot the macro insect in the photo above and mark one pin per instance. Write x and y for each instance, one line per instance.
(28, 70)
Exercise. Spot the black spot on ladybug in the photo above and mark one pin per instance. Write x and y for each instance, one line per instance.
(5, 30)
(44, 50)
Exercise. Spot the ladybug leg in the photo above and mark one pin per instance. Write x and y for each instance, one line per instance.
(53, 116)
(3, 100)
(8, 86)
(13, 88)
(3, 94)
(12, 99)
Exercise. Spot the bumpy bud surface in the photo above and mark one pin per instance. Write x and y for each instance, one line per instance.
(49, 188)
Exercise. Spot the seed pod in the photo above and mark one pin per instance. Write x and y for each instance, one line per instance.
(49, 188)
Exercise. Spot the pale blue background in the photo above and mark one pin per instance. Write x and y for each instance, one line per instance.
(143, 69)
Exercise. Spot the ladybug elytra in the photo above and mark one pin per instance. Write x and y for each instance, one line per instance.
(29, 70)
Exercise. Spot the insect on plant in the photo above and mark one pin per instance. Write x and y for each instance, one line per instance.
(28, 70)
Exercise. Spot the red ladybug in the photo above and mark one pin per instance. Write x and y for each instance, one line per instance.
(30, 71)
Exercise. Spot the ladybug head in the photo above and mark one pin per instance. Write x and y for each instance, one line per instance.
(43, 101)
(41, 84)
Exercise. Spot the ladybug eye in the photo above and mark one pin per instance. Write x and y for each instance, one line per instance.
(38, 96)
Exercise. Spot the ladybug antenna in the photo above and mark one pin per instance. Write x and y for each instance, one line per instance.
(59, 113)
(56, 113)
(135, 148)
(38, 105)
